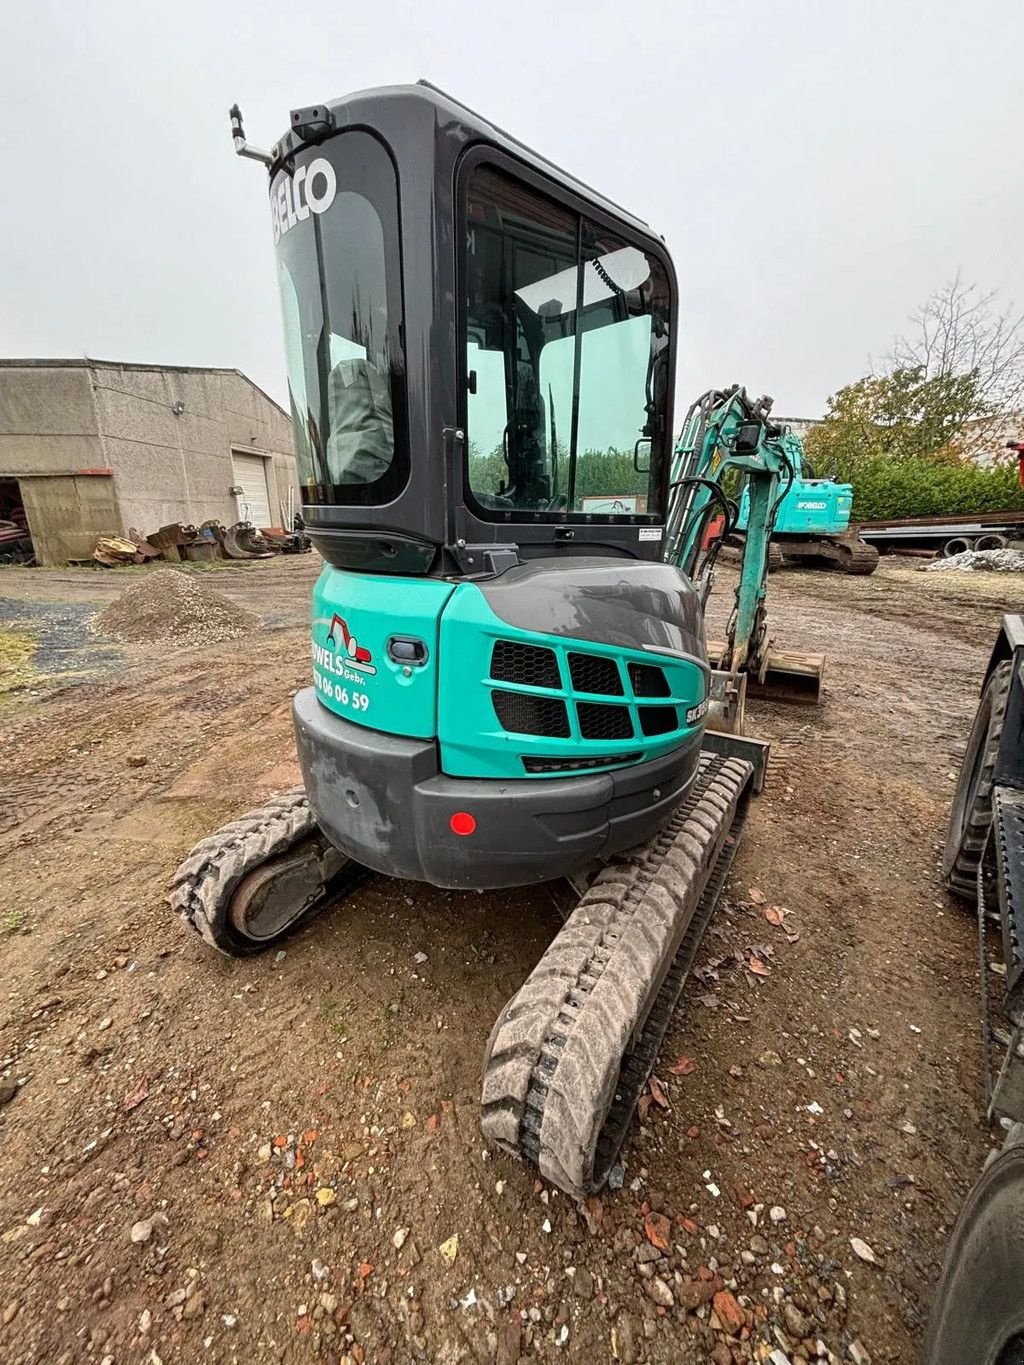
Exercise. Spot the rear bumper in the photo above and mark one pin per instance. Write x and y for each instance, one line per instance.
(381, 800)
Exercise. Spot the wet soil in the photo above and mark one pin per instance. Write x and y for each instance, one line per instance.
(843, 1088)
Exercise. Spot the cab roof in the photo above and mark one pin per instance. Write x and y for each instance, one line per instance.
(423, 104)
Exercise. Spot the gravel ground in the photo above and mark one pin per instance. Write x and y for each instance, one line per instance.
(280, 1159)
(168, 606)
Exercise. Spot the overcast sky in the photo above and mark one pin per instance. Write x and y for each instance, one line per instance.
(816, 166)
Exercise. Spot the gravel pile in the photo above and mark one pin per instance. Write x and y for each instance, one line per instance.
(994, 561)
(170, 607)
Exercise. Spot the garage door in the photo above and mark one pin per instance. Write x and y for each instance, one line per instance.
(254, 499)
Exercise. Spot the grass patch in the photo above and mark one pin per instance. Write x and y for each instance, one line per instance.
(11, 921)
(16, 650)
(389, 1025)
(332, 1016)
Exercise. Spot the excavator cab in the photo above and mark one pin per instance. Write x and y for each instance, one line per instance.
(478, 346)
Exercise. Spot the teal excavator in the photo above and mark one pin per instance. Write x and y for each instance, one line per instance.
(812, 525)
(510, 679)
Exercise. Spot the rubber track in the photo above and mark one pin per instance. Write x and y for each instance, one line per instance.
(961, 862)
(863, 558)
(570, 1053)
(202, 886)
(848, 553)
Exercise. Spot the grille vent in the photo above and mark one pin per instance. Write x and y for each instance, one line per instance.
(524, 665)
(658, 720)
(604, 722)
(577, 765)
(595, 673)
(521, 714)
(648, 681)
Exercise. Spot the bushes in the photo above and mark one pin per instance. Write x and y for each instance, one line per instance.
(599, 473)
(884, 488)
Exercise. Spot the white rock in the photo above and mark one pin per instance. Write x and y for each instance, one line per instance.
(142, 1231)
(777, 1213)
(398, 1240)
(861, 1249)
(659, 1292)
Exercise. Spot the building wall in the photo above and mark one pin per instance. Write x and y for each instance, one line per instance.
(48, 433)
(799, 426)
(67, 514)
(58, 420)
(177, 466)
(47, 421)
(984, 441)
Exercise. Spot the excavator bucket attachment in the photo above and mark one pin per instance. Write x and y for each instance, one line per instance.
(785, 675)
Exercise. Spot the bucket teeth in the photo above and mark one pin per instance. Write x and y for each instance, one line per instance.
(570, 1053)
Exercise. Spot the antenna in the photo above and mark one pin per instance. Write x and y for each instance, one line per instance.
(243, 148)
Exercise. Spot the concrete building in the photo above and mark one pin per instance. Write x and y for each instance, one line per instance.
(799, 426)
(91, 447)
(985, 439)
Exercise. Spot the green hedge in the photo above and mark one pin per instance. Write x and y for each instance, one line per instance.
(599, 473)
(882, 487)
(885, 488)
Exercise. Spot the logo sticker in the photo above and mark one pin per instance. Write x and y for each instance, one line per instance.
(696, 713)
(356, 656)
(310, 190)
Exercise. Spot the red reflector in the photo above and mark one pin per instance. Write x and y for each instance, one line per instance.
(462, 822)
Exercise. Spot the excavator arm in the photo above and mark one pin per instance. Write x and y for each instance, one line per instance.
(728, 442)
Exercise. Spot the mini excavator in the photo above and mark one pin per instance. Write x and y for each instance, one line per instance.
(510, 679)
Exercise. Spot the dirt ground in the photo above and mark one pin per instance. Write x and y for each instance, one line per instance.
(267, 1160)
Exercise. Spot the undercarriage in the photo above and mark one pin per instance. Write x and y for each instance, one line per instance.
(570, 1054)
(845, 554)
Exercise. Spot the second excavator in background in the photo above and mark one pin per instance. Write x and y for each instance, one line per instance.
(812, 525)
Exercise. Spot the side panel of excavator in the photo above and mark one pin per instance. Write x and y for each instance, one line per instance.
(503, 732)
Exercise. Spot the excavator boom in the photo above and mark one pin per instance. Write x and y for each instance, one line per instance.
(727, 445)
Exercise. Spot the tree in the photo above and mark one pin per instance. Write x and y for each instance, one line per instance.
(960, 332)
(906, 414)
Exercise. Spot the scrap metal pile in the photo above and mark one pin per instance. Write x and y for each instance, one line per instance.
(15, 538)
(178, 542)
